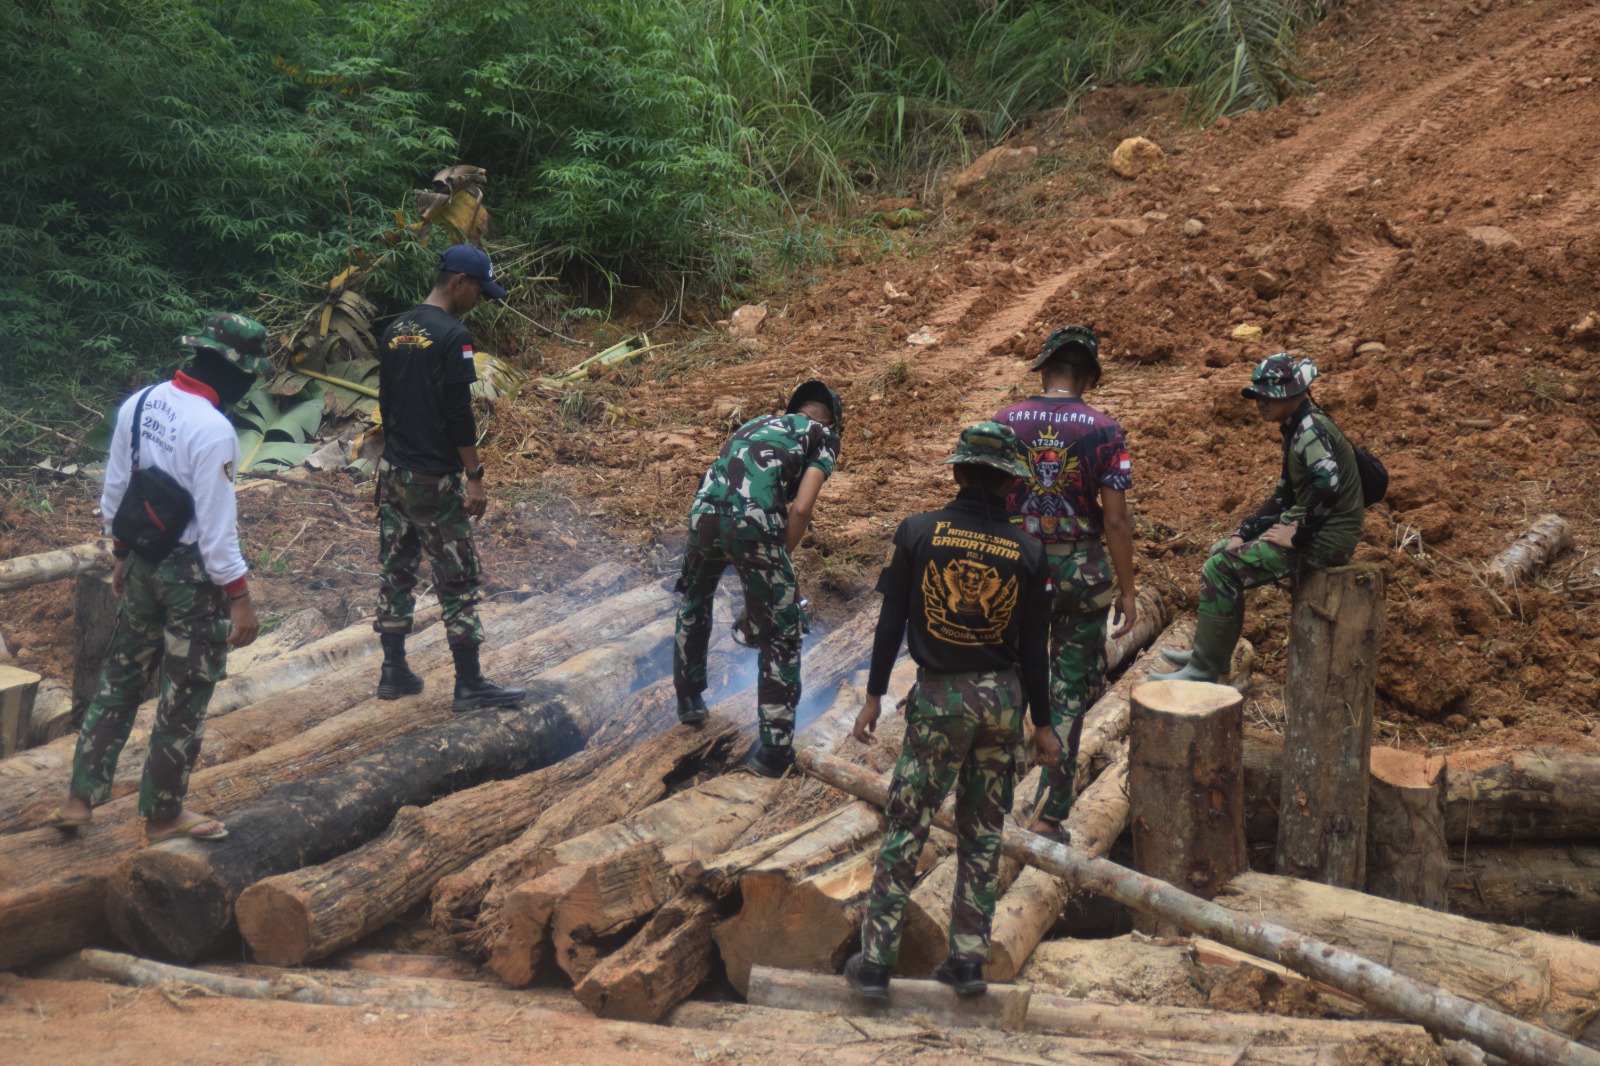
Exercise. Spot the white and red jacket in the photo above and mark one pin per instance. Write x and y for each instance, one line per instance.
(185, 435)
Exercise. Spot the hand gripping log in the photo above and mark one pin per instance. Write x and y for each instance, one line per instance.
(1443, 1012)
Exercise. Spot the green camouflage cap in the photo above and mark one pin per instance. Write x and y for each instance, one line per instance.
(991, 444)
(1278, 377)
(241, 340)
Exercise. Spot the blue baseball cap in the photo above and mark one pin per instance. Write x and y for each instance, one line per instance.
(474, 263)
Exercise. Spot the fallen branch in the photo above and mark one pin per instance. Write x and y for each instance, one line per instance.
(1530, 553)
(1441, 1011)
(297, 988)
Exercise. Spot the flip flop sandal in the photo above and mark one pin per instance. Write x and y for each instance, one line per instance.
(191, 831)
(61, 821)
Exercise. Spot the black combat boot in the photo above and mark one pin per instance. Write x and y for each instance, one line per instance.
(965, 977)
(869, 979)
(396, 678)
(473, 690)
(692, 710)
(771, 760)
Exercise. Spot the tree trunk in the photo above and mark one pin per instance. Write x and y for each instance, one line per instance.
(1263, 784)
(467, 905)
(51, 895)
(1406, 855)
(296, 691)
(1001, 1007)
(1554, 887)
(1535, 549)
(1146, 1021)
(94, 619)
(1330, 685)
(18, 687)
(1186, 787)
(659, 967)
(1439, 1009)
(29, 570)
(177, 902)
(1547, 793)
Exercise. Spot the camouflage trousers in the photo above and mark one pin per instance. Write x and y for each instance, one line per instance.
(172, 610)
(424, 514)
(1084, 591)
(773, 607)
(1229, 572)
(961, 729)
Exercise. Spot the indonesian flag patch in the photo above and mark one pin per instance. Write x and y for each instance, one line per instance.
(466, 351)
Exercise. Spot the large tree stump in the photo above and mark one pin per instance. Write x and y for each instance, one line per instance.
(94, 620)
(18, 687)
(1186, 787)
(1330, 686)
(1406, 855)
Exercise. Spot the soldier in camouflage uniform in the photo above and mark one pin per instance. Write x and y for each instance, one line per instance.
(1312, 518)
(970, 592)
(430, 482)
(753, 506)
(181, 612)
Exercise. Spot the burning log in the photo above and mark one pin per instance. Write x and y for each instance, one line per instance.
(1535, 549)
(28, 570)
(1439, 1009)
(176, 901)
(1330, 686)
(52, 885)
(297, 691)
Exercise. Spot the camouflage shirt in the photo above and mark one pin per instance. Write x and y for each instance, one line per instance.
(759, 471)
(1319, 489)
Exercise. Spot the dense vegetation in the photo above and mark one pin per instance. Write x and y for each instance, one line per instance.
(167, 157)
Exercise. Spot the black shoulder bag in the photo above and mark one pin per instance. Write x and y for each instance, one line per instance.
(1374, 476)
(155, 509)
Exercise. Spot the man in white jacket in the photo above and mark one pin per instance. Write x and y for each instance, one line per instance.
(193, 603)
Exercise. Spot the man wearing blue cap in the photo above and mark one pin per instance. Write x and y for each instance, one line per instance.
(430, 482)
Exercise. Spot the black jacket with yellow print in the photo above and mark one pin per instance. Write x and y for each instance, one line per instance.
(972, 592)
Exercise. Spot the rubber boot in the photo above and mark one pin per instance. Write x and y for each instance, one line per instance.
(868, 979)
(692, 710)
(1177, 656)
(396, 679)
(1212, 652)
(473, 690)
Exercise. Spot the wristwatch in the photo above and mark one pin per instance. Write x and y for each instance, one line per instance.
(475, 475)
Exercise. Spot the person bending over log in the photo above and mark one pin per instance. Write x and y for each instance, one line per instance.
(1074, 500)
(975, 592)
(430, 482)
(1312, 518)
(184, 597)
(753, 506)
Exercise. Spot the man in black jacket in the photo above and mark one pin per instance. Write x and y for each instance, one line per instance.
(975, 591)
(430, 482)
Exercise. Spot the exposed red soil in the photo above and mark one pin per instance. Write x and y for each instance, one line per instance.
(1330, 222)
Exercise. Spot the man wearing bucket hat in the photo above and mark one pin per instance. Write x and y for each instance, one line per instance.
(430, 481)
(181, 579)
(1074, 501)
(1312, 518)
(753, 506)
(969, 591)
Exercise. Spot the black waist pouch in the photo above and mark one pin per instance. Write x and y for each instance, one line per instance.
(155, 509)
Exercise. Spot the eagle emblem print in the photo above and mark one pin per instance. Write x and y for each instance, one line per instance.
(968, 602)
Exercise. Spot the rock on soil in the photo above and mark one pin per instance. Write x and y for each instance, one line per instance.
(1137, 155)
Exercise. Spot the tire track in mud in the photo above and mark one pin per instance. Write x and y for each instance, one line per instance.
(1359, 268)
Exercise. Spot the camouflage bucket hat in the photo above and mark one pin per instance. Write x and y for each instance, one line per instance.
(1278, 377)
(991, 444)
(242, 341)
(1069, 336)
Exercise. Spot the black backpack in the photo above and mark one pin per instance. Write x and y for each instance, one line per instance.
(155, 509)
(1374, 476)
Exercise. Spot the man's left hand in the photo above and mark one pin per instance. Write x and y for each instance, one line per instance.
(477, 498)
(1281, 536)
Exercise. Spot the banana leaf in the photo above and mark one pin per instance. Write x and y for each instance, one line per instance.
(273, 435)
(496, 377)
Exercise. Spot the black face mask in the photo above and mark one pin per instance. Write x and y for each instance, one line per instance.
(229, 382)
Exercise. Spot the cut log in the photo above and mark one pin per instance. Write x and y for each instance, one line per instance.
(1063, 1014)
(659, 967)
(467, 905)
(1554, 887)
(1530, 553)
(1406, 854)
(1438, 1009)
(296, 988)
(1186, 787)
(52, 886)
(1330, 686)
(1002, 1007)
(1546, 793)
(52, 718)
(29, 570)
(176, 902)
(18, 687)
(94, 620)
